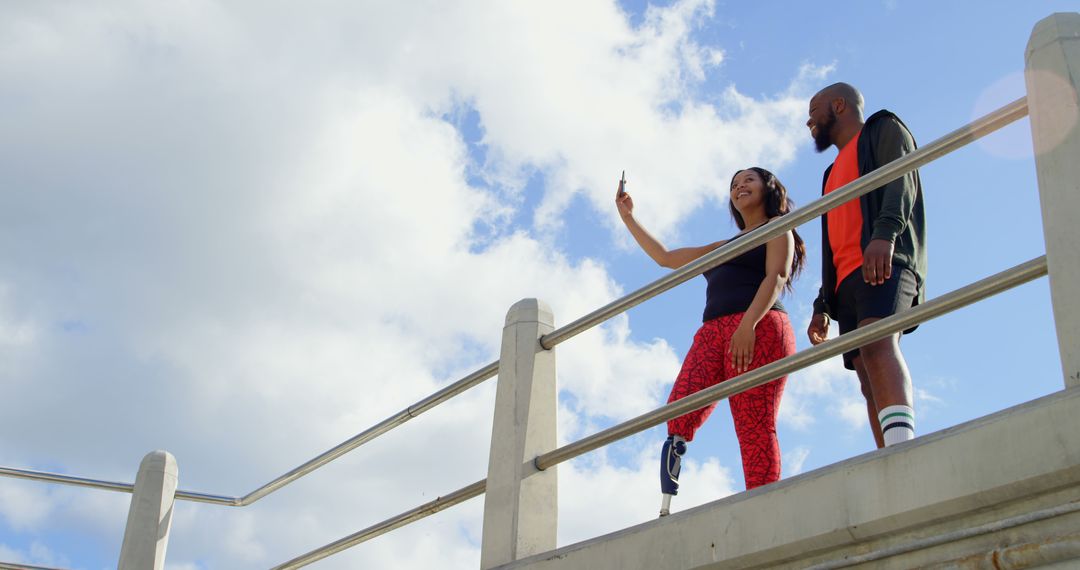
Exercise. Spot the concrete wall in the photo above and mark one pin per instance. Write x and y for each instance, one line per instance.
(1052, 73)
(146, 536)
(1017, 461)
(521, 502)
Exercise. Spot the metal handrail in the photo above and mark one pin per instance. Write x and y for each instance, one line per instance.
(66, 479)
(386, 425)
(460, 496)
(947, 303)
(904, 320)
(862, 185)
(326, 457)
(943, 145)
(13, 566)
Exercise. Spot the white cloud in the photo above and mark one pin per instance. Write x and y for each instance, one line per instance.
(824, 387)
(37, 554)
(597, 496)
(16, 331)
(630, 378)
(184, 566)
(928, 404)
(242, 540)
(25, 506)
(853, 412)
(925, 397)
(794, 460)
(258, 238)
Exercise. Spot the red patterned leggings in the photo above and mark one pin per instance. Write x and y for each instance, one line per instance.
(754, 411)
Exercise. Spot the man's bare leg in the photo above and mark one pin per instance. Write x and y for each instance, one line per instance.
(890, 384)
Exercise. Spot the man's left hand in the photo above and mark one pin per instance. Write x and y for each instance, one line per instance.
(877, 261)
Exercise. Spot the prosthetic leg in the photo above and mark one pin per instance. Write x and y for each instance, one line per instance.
(670, 464)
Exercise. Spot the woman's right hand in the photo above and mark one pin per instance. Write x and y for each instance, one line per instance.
(625, 204)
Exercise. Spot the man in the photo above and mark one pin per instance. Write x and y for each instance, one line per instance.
(873, 251)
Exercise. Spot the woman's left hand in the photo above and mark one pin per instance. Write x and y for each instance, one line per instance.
(742, 347)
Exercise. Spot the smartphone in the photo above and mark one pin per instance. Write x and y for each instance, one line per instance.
(622, 184)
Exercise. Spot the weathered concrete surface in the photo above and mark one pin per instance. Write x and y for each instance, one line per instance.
(146, 536)
(1019, 460)
(521, 503)
(1053, 83)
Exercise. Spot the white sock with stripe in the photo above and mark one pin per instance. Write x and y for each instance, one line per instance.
(897, 424)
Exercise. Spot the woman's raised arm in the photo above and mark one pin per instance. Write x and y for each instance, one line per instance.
(673, 258)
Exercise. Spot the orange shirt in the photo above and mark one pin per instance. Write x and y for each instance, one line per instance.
(845, 221)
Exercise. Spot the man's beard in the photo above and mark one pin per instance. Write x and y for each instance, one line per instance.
(823, 138)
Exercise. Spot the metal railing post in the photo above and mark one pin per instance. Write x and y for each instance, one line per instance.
(146, 535)
(520, 506)
(1053, 79)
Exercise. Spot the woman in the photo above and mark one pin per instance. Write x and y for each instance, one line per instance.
(745, 327)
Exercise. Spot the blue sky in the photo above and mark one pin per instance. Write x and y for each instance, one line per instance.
(244, 233)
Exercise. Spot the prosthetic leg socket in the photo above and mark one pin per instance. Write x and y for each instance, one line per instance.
(670, 465)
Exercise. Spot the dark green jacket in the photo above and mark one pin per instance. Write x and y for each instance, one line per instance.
(893, 212)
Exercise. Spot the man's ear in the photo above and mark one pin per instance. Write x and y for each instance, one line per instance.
(839, 105)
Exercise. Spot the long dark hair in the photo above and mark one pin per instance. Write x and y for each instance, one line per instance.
(777, 203)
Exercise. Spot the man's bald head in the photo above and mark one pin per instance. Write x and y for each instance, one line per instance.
(845, 91)
(836, 115)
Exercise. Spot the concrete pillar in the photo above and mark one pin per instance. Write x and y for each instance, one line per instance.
(520, 505)
(1053, 80)
(150, 516)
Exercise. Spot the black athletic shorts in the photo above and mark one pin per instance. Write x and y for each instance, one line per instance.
(857, 300)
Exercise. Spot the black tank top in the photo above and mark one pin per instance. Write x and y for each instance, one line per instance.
(732, 285)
